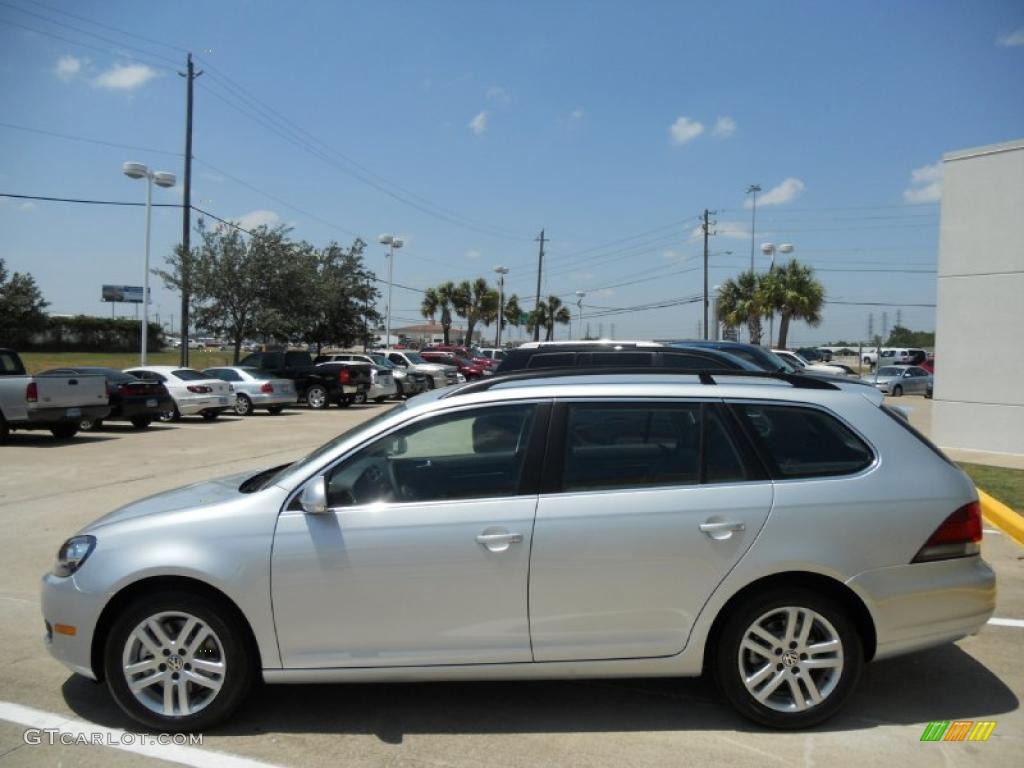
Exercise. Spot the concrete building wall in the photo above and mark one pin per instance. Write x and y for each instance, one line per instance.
(979, 344)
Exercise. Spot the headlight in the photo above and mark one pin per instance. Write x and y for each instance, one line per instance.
(72, 554)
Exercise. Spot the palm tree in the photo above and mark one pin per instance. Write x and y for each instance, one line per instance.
(477, 302)
(547, 313)
(793, 292)
(513, 312)
(743, 301)
(440, 299)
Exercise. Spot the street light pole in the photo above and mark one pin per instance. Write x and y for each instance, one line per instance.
(753, 189)
(770, 249)
(162, 179)
(502, 271)
(579, 303)
(393, 243)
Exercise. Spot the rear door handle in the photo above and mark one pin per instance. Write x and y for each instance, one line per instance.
(500, 538)
(722, 529)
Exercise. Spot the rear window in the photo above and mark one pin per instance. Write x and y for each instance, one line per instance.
(258, 374)
(298, 358)
(553, 360)
(10, 365)
(187, 374)
(803, 442)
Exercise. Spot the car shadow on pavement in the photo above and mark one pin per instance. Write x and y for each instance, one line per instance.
(46, 440)
(939, 684)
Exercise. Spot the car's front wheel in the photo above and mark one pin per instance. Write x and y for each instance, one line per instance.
(177, 661)
(788, 658)
(316, 397)
(243, 405)
(897, 391)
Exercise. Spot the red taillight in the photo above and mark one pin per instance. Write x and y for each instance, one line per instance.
(199, 389)
(267, 388)
(344, 376)
(958, 536)
(32, 392)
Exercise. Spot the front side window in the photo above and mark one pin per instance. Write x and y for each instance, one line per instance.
(804, 442)
(187, 374)
(552, 360)
(224, 374)
(469, 454)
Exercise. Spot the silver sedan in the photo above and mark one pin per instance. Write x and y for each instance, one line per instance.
(256, 389)
(897, 380)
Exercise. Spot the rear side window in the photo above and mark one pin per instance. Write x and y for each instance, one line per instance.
(187, 374)
(803, 442)
(553, 360)
(614, 359)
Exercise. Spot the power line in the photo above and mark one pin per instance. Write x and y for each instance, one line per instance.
(108, 26)
(69, 137)
(86, 201)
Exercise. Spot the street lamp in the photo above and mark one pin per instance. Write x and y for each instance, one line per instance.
(579, 303)
(502, 271)
(770, 249)
(752, 190)
(393, 243)
(161, 179)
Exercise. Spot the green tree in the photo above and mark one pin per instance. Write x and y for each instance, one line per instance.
(476, 302)
(440, 300)
(792, 291)
(904, 337)
(742, 301)
(513, 312)
(21, 306)
(546, 315)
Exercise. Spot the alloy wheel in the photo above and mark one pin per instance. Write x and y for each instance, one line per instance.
(791, 659)
(174, 664)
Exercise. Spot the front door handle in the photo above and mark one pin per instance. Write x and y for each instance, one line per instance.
(721, 529)
(499, 541)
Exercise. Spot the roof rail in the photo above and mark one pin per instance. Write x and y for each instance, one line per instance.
(706, 376)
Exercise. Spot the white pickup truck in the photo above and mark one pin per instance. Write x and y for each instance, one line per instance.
(56, 403)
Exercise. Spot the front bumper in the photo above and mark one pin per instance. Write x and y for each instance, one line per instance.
(926, 604)
(64, 603)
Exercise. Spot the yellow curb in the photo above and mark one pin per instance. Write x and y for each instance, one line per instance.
(1002, 516)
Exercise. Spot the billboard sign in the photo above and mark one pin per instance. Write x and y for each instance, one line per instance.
(129, 294)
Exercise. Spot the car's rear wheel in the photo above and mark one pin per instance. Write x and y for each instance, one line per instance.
(211, 415)
(64, 431)
(5, 431)
(243, 405)
(788, 658)
(177, 661)
(897, 391)
(172, 415)
(316, 397)
(378, 399)
(141, 422)
(360, 398)
(273, 410)
(88, 425)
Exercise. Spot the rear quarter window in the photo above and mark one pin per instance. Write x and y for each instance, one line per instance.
(798, 441)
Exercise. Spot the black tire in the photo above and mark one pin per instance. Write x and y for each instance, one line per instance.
(228, 642)
(897, 391)
(274, 410)
(345, 401)
(5, 431)
(141, 422)
(399, 391)
(838, 682)
(430, 383)
(90, 425)
(64, 431)
(211, 415)
(243, 405)
(172, 415)
(317, 397)
(378, 399)
(359, 398)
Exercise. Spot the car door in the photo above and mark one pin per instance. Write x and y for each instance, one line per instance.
(423, 555)
(645, 507)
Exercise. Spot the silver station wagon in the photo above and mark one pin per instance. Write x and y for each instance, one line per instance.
(773, 531)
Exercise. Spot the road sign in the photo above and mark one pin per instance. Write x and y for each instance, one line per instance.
(128, 294)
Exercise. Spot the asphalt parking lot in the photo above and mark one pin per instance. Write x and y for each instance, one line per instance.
(49, 489)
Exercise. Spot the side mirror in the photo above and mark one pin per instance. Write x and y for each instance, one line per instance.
(314, 496)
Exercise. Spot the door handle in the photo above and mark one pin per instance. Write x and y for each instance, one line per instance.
(488, 539)
(720, 530)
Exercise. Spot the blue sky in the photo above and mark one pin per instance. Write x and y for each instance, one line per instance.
(610, 124)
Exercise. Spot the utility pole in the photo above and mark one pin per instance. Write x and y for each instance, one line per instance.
(753, 189)
(540, 269)
(706, 227)
(186, 225)
(366, 319)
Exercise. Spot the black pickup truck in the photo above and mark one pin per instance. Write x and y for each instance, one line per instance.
(317, 385)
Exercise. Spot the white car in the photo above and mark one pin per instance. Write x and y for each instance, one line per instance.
(194, 393)
(800, 363)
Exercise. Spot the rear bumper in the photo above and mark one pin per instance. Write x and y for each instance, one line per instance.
(264, 399)
(926, 604)
(137, 407)
(188, 406)
(381, 390)
(44, 418)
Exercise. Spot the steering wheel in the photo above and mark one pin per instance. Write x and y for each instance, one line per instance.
(375, 483)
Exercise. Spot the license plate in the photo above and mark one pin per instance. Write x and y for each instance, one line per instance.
(151, 403)
(223, 400)
(74, 413)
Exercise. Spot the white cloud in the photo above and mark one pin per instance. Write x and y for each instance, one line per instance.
(605, 292)
(125, 77)
(28, 205)
(498, 95)
(479, 123)
(725, 127)
(784, 192)
(1012, 39)
(211, 177)
(576, 115)
(258, 218)
(67, 67)
(473, 253)
(925, 184)
(731, 229)
(684, 129)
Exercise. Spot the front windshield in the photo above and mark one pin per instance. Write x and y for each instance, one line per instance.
(415, 358)
(382, 361)
(331, 444)
(890, 370)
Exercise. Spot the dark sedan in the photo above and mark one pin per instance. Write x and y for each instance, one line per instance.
(131, 399)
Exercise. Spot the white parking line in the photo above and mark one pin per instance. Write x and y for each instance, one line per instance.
(112, 738)
(1018, 623)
